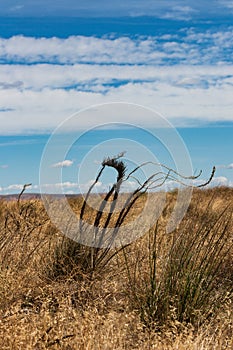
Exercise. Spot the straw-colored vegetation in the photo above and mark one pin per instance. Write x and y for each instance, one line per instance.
(164, 291)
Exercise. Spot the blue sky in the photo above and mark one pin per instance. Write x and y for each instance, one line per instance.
(181, 9)
(57, 58)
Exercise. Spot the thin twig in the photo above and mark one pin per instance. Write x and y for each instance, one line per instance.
(21, 193)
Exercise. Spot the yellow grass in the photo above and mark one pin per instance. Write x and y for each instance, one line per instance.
(40, 309)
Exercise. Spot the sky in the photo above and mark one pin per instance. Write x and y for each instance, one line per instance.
(60, 58)
(181, 9)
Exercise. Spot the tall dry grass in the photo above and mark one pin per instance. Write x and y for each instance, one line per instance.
(185, 277)
(164, 291)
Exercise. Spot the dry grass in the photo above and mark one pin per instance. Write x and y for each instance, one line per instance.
(48, 300)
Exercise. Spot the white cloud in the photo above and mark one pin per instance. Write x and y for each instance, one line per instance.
(229, 166)
(99, 78)
(184, 9)
(16, 8)
(119, 50)
(185, 80)
(104, 8)
(172, 99)
(219, 181)
(180, 13)
(79, 49)
(60, 185)
(215, 182)
(15, 84)
(99, 186)
(70, 187)
(4, 166)
(28, 141)
(76, 188)
(64, 164)
(14, 187)
(58, 188)
(227, 3)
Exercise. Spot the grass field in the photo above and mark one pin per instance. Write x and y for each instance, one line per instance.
(163, 291)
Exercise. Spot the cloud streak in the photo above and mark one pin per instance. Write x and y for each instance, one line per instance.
(64, 164)
(176, 101)
(68, 187)
(187, 77)
(182, 13)
(184, 47)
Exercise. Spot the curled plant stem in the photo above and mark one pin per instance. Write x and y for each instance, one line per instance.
(100, 255)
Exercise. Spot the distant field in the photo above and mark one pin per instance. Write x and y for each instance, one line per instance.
(163, 291)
